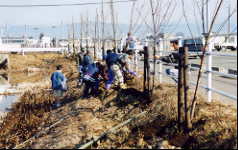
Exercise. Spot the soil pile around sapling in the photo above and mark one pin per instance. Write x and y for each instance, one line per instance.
(215, 124)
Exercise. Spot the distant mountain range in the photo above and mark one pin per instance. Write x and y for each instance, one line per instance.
(61, 31)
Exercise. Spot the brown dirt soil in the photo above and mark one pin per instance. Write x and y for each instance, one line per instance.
(43, 61)
(214, 126)
(22, 67)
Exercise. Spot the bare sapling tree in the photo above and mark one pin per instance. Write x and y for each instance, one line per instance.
(113, 25)
(131, 17)
(154, 41)
(69, 40)
(160, 13)
(87, 33)
(103, 29)
(95, 41)
(98, 34)
(207, 36)
(189, 106)
(73, 38)
(81, 33)
(137, 19)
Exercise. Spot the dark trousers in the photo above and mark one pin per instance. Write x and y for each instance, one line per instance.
(90, 89)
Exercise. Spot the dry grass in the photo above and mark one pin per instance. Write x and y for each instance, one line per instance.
(32, 111)
(24, 119)
(43, 61)
(22, 67)
(215, 125)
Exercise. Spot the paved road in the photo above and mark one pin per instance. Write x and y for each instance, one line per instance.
(228, 62)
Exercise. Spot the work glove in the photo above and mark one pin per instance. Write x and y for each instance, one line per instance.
(133, 73)
(108, 86)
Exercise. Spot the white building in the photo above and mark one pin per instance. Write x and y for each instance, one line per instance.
(45, 41)
(13, 42)
(224, 41)
(31, 42)
(63, 43)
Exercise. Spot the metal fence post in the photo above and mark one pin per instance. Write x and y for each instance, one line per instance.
(209, 71)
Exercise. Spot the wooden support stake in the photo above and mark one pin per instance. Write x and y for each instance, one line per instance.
(146, 72)
(186, 90)
(145, 67)
(103, 30)
(180, 88)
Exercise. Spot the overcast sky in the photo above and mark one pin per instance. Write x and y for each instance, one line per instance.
(57, 15)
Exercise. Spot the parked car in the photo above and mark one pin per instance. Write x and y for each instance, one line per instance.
(194, 46)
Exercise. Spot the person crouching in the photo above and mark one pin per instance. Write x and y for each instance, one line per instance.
(91, 80)
(113, 62)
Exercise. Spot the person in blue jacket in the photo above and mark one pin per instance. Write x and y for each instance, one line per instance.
(80, 67)
(59, 85)
(114, 69)
(87, 60)
(91, 79)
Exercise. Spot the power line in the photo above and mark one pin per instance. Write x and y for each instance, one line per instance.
(59, 5)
